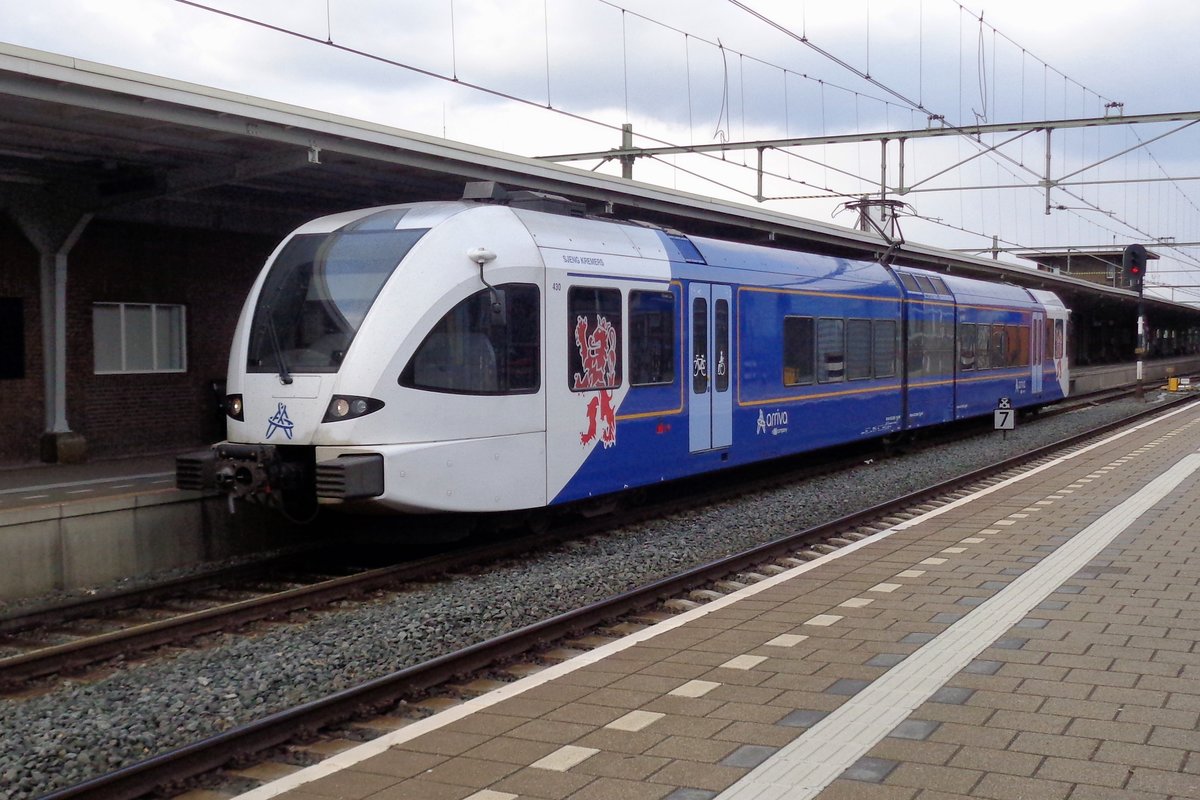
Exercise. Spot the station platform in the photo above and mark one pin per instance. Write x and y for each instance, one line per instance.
(23, 486)
(1035, 639)
(1107, 376)
(84, 527)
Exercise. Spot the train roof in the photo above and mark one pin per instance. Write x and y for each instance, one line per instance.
(975, 291)
(557, 223)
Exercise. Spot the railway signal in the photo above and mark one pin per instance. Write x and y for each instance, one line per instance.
(1133, 266)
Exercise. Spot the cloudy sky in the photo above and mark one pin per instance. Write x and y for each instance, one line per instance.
(540, 77)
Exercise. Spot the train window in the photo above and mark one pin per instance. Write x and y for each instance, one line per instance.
(916, 345)
(966, 347)
(831, 350)
(797, 350)
(926, 284)
(699, 345)
(721, 337)
(1017, 344)
(939, 285)
(1059, 338)
(983, 338)
(490, 343)
(858, 349)
(687, 250)
(909, 282)
(997, 347)
(593, 338)
(939, 344)
(651, 338)
(884, 348)
(317, 294)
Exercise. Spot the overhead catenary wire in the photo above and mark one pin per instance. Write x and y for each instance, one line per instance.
(546, 30)
(454, 78)
(1090, 201)
(874, 80)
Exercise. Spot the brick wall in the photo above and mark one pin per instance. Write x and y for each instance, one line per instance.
(22, 414)
(207, 272)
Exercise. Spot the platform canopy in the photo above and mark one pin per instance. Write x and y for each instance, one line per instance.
(1101, 265)
(92, 138)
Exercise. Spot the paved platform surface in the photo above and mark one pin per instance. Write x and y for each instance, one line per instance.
(54, 484)
(1036, 639)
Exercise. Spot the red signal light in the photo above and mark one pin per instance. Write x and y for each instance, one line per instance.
(1133, 264)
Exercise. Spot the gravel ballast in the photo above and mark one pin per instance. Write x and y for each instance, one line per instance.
(78, 731)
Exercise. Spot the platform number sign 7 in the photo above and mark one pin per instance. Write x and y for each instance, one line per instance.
(1005, 416)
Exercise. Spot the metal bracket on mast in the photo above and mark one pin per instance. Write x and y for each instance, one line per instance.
(627, 145)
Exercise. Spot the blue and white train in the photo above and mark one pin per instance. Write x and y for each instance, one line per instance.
(486, 357)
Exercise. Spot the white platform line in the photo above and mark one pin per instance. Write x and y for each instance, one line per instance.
(95, 481)
(355, 755)
(810, 763)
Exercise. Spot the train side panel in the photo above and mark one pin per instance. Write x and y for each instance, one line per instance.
(799, 387)
(1001, 346)
(1056, 375)
(770, 353)
(816, 351)
(593, 268)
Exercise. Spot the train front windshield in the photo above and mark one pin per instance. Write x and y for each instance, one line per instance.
(317, 294)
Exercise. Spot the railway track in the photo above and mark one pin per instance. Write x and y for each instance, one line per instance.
(696, 585)
(67, 638)
(230, 600)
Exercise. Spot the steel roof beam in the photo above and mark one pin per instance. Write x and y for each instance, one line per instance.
(881, 136)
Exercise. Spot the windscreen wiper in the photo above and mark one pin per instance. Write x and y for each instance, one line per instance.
(285, 377)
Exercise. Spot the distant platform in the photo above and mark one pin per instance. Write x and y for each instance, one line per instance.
(1104, 376)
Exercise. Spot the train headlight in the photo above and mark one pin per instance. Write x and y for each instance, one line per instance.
(342, 407)
(233, 407)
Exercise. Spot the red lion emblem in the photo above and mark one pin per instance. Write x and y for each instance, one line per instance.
(598, 357)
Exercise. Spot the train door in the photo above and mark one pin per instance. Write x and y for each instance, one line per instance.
(1039, 351)
(710, 412)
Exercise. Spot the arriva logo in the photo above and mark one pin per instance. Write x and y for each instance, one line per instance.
(280, 422)
(773, 423)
